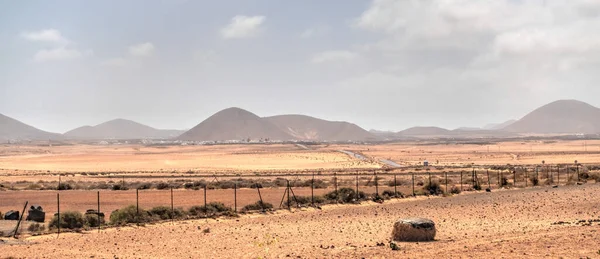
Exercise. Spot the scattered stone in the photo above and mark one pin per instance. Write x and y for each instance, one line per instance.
(414, 230)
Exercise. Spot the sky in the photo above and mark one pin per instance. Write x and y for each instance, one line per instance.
(382, 64)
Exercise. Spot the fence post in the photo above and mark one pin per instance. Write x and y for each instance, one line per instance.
(262, 206)
(99, 221)
(335, 185)
(446, 182)
(172, 209)
(577, 172)
(526, 177)
(488, 178)
(235, 197)
(357, 196)
(312, 190)
(21, 218)
(288, 196)
(376, 186)
(413, 185)
(395, 188)
(499, 178)
(137, 205)
(461, 181)
(58, 211)
(515, 178)
(557, 175)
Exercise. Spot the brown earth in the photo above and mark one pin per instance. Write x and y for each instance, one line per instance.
(518, 223)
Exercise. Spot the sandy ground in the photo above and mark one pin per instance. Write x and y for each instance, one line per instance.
(514, 223)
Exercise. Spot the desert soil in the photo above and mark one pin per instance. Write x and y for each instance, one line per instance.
(516, 223)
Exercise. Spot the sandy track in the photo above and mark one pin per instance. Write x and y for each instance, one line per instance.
(509, 223)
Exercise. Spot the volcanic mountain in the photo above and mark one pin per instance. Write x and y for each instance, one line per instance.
(308, 128)
(234, 124)
(563, 116)
(120, 129)
(499, 126)
(11, 129)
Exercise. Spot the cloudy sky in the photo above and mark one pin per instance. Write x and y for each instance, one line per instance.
(384, 64)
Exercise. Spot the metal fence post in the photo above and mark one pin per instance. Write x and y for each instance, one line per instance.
(413, 185)
(58, 210)
(172, 208)
(395, 188)
(235, 197)
(99, 221)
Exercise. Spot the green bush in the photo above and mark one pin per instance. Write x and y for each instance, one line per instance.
(212, 209)
(258, 206)
(345, 195)
(164, 212)
(68, 220)
(128, 215)
(433, 188)
(91, 220)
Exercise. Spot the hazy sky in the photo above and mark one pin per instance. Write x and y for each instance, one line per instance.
(382, 64)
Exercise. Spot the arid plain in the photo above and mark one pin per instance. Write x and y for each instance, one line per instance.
(508, 222)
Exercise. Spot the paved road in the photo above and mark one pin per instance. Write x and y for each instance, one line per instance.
(355, 155)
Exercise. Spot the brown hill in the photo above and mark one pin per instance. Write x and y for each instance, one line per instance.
(11, 129)
(564, 116)
(234, 124)
(120, 129)
(308, 128)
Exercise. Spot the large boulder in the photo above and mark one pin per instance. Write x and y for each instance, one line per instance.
(36, 213)
(414, 230)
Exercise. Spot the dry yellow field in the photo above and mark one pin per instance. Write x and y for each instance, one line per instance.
(286, 157)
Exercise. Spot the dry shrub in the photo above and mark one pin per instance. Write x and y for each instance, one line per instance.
(213, 209)
(346, 195)
(68, 220)
(128, 214)
(36, 228)
(164, 212)
(455, 190)
(433, 188)
(258, 206)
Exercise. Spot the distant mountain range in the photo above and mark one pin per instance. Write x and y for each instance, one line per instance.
(11, 129)
(559, 117)
(239, 124)
(564, 116)
(120, 129)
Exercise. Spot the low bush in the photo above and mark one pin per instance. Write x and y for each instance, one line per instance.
(68, 220)
(144, 186)
(36, 228)
(213, 209)
(503, 181)
(258, 206)
(455, 190)
(477, 186)
(119, 187)
(128, 214)
(64, 186)
(345, 195)
(534, 180)
(164, 213)
(91, 220)
(433, 188)
(162, 186)
(387, 194)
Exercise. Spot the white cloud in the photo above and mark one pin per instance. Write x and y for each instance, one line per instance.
(49, 35)
(142, 50)
(333, 56)
(243, 27)
(61, 53)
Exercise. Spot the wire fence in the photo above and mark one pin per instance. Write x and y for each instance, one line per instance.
(247, 193)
